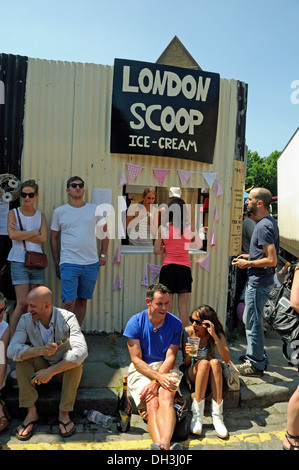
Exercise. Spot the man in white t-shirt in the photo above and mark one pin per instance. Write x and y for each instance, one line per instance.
(77, 263)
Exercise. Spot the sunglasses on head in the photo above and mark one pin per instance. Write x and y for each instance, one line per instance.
(74, 185)
(192, 320)
(24, 195)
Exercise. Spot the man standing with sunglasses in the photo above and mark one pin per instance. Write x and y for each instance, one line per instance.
(77, 263)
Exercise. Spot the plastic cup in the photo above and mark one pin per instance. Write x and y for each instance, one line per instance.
(194, 344)
(176, 377)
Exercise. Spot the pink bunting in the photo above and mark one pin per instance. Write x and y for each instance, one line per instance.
(154, 270)
(216, 215)
(117, 256)
(144, 281)
(218, 189)
(122, 180)
(205, 263)
(184, 176)
(133, 171)
(117, 284)
(160, 175)
(213, 243)
(210, 178)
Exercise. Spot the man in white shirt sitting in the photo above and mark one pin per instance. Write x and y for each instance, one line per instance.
(47, 342)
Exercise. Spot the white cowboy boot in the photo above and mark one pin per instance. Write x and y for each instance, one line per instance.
(218, 423)
(197, 416)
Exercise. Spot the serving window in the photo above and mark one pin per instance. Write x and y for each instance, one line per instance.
(145, 208)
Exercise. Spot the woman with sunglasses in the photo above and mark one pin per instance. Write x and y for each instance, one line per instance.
(34, 233)
(205, 372)
(4, 368)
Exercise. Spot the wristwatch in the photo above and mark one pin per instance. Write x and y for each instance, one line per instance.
(102, 255)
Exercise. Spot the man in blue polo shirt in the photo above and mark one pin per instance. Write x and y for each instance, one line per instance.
(153, 341)
(261, 263)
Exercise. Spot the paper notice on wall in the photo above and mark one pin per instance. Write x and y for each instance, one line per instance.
(4, 208)
(237, 208)
(102, 196)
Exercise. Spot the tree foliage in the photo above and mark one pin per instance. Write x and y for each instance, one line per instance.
(262, 172)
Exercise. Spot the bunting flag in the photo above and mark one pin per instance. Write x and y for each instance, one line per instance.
(205, 263)
(117, 256)
(216, 215)
(122, 180)
(160, 175)
(213, 243)
(117, 284)
(218, 189)
(133, 171)
(184, 176)
(210, 178)
(154, 270)
(144, 281)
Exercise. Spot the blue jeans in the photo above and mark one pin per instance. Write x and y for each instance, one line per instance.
(255, 299)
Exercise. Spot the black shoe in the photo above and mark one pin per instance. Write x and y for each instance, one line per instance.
(249, 370)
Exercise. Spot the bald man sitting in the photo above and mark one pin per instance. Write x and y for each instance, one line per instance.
(48, 341)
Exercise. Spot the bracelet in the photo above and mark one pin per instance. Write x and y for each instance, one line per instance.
(216, 342)
(155, 381)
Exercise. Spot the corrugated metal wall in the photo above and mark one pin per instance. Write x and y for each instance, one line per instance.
(67, 132)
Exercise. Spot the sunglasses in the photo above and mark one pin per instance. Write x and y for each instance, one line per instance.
(63, 341)
(75, 185)
(192, 320)
(2, 310)
(24, 195)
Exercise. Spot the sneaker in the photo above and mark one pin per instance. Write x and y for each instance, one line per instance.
(244, 359)
(248, 369)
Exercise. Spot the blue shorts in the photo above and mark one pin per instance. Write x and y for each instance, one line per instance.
(21, 275)
(78, 280)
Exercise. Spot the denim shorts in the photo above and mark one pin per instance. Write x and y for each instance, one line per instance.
(78, 280)
(21, 275)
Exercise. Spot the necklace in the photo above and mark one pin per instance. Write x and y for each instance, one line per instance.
(155, 328)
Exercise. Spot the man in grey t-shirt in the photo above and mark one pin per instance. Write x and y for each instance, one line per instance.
(261, 262)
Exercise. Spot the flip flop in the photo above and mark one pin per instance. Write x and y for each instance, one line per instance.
(25, 426)
(156, 446)
(67, 434)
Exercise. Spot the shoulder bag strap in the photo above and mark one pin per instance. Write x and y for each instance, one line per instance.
(21, 226)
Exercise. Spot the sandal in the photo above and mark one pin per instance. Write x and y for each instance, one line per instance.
(25, 426)
(292, 446)
(4, 420)
(157, 446)
(69, 433)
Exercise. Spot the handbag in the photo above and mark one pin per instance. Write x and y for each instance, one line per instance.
(181, 429)
(231, 376)
(33, 259)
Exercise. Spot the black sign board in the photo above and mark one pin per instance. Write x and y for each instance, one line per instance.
(164, 111)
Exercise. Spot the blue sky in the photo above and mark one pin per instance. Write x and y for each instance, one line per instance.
(254, 41)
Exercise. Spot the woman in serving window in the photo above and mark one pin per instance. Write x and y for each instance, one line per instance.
(142, 220)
